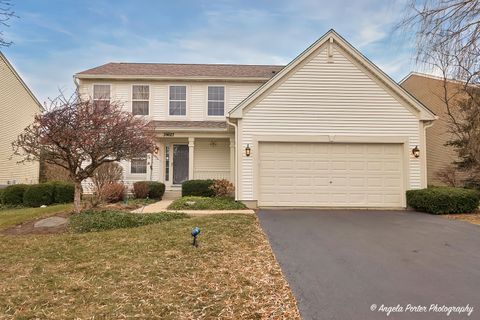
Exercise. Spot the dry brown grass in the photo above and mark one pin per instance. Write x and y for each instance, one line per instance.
(147, 272)
(472, 218)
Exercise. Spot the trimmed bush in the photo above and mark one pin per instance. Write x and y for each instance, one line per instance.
(37, 195)
(140, 189)
(13, 195)
(443, 200)
(63, 191)
(89, 221)
(156, 190)
(198, 188)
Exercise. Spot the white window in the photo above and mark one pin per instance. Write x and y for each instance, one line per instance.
(178, 101)
(138, 165)
(101, 92)
(216, 101)
(140, 100)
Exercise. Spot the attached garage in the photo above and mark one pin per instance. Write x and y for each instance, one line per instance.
(330, 174)
(330, 130)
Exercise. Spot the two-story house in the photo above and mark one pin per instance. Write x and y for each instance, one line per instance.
(18, 106)
(328, 129)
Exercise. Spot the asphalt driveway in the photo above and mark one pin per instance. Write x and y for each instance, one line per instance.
(339, 263)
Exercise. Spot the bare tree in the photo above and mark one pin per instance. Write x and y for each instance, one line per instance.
(447, 34)
(453, 24)
(81, 135)
(6, 13)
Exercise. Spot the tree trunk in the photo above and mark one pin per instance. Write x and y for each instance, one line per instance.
(77, 199)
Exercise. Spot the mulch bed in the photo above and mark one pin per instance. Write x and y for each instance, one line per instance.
(28, 227)
(472, 217)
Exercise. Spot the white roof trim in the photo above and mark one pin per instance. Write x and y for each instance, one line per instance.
(152, 77)
(15, 73)
(425, 113)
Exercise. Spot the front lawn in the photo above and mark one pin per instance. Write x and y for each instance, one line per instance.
(147, 272)
(205, 203)
(11, 217)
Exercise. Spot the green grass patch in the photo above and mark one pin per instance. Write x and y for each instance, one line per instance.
(11, 217)
(150, 272)
(204, 203)
(89, 221)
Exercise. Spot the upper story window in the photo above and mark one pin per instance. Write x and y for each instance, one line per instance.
(216, 101)
(140, 100)
(178, 101)
(101, 92)
(139, 164)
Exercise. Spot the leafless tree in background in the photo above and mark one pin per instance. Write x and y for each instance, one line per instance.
(6, 13)
(448, 26)
(447, 34)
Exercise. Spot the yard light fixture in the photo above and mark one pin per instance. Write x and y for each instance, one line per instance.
(156, 150)
(416, 152)
(248, 150)
(195, 233)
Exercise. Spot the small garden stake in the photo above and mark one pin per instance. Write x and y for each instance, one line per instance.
(195, 233)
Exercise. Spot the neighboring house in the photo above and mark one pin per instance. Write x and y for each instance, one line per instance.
(328, 129)
(430, 91)
(18, 106)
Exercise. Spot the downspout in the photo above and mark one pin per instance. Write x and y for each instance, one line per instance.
(77, 85)
(426, 125)
(235, 165)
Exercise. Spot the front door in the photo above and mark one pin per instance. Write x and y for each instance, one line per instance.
(180, 163)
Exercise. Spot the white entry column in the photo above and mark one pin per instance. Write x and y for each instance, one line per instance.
(191, 145)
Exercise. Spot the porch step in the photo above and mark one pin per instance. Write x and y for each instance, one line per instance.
(172, 194)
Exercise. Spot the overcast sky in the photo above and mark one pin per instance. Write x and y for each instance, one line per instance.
(53, 39)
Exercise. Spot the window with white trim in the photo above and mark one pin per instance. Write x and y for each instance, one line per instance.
(139, 164)
(101, 92)
(140, 100)
(178, 101)
(216, 100)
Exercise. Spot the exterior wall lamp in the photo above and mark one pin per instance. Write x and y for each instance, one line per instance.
(248, 150)
(156, 150)
(416, 152)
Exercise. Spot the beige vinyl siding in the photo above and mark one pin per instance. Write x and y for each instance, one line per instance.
(429, 91)
(18, 108)
(212, 159)
(236, 93)
(331, 99)
(196, 96)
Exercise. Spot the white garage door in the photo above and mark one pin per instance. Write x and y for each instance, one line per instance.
(330, 174)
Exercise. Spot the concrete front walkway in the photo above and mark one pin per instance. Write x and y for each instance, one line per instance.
(170, 196)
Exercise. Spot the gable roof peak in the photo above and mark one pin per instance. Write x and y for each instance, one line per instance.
(333, 36)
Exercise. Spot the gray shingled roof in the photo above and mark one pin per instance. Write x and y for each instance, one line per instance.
(167, 125)
(184, 70)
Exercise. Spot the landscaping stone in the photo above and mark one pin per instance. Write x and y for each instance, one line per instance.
(50, 222)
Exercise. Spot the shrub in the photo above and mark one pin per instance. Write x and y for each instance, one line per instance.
(1, 196)
(37, 195)
(13, 195)
(205, 203)
(112, 192)
(156, 190)
(141, 189)
(223, 188)
(443, 200)
(89, 221)
(63, 191)
(199, 188)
